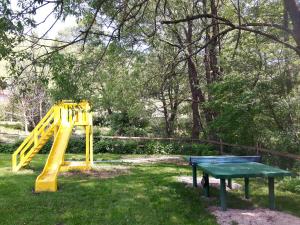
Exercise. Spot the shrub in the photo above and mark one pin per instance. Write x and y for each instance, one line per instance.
(5, 148)
(290, 184)
(12, 125)
(77, 145)
(9, 147)
(151, 147)
(130, 125)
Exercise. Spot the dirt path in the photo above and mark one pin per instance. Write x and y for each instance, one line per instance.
(258, 216)
(102, 172)
(188, 181)
(149, 159)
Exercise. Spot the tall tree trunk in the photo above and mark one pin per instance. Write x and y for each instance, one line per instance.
(166, 114)
(41, 109)
(197, 94)
(109, 111)
(213, 47)
(293, 8)
(174, 107)
(287, 67)
(211, 64)
(170, 113)
(25, 119)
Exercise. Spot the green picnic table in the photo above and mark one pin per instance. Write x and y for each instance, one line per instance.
(228, 167)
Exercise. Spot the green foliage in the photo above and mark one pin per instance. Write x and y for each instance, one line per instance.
(251, 111)
(9, 147)
(151, 147)
(77, 145)
(238, 108)
(65, 76)
(130, 125)
(129, 74)
(16, 126)
(290, 184)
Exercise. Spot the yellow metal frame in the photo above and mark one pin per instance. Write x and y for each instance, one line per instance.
(64, 112)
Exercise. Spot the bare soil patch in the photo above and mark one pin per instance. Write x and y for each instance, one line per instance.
(154, 159)
(258, 216)
(177, 160)
(102, 172)
(213, 182)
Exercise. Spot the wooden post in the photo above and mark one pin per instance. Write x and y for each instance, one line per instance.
(256, 148)
(223, 194)
(246, 187)
(194, 170)
(271, 193)
(221, 147)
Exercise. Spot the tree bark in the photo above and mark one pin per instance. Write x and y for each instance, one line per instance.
(194, 84)
(293, 8)
(166, 114)
(25, 119)
(170, 113)
(287, 66)
(211, 64)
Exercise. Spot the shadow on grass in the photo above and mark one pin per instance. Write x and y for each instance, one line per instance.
(148, 195)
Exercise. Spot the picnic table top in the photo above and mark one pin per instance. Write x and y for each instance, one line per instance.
(223, 159)
(240, 170)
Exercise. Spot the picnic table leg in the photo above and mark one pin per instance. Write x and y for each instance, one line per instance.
(246, 187)
(223, 194)
(271, 193)
(194, 169)
(206, 184)
(229, 183)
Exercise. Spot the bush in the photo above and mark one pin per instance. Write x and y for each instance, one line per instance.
(9, 147)
(290, 184)
(129, 125)
(151, 147)
(115, 146)
(77, 145)
(12, 125)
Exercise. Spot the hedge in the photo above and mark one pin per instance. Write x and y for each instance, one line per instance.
(77, 145)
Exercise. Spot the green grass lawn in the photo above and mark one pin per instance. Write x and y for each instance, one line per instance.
(149, 194)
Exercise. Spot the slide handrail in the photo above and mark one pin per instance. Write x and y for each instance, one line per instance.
(32, 140)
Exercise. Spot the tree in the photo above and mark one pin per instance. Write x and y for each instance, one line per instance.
(166, 84)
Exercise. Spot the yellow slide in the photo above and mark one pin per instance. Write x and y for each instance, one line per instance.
(47, 180)
(58, 122)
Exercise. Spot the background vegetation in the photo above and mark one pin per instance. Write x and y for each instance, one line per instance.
(218, 70)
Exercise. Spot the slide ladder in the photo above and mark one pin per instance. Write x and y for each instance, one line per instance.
(58, 122)
(35, 141)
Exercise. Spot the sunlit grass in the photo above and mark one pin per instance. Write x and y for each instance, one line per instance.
(149, 194)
